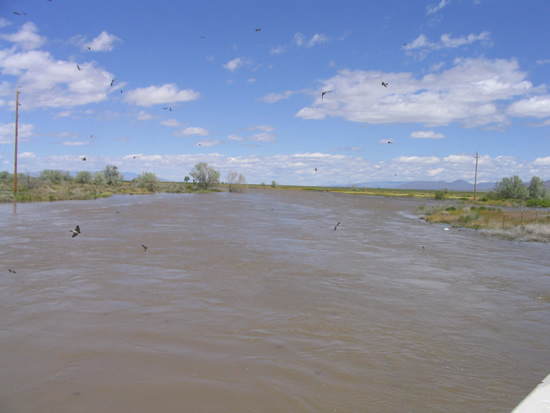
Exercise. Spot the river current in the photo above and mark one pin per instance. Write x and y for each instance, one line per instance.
(257, 302)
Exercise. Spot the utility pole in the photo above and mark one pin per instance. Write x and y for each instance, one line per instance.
(475, 179)
(16, 132)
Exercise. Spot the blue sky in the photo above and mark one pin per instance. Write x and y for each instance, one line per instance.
(196, 81)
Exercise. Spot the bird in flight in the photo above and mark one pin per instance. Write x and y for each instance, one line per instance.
(83, 158)
(384, 84)
(168, 108)
(75, 231)
(336, 225)
(78, 67)
(112, 82)
(315, 169)
(258, 30)
(144, 247)
(12, 271)
(324, 93)
(390, 141)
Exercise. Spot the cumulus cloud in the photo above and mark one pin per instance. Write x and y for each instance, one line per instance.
(7, 132)
(233, 65)
(154, 95)
(105, 42)
(427, 135)
(470, 93)
(48, 82)
(26, 38)
(191, 131)
(537, 106)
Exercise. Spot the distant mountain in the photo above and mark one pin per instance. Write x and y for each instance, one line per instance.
(458, 185)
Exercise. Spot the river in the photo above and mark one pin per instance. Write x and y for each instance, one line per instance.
(254, 302)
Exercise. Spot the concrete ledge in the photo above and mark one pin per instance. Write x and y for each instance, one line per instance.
(538, 401)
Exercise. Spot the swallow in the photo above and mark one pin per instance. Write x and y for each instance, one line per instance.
(144, 247)
(315, 169)
(112, 82)
(324, 93)
(83, 158)
(121, 91)
(258, 30)
(384, 84)
(168, 108)
(78, 67)
(336, 226)
(12, 271)
(202, 37)
(390, 141)
(75, 231)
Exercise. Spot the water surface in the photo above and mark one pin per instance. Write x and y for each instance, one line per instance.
(254, 303)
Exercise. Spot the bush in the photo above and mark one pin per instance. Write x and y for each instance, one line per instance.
(148, 181)
(83, 177)
(439, 195)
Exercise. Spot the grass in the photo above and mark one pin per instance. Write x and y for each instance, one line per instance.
(526, 225)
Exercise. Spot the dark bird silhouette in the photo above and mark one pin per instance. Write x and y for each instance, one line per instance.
(384, 84)
(168, 108)
(324, 93)
(121, 91)
(112, 82)
(390, 141)
(315, 169)
(12, 271)
(19, 14)
(144, 247)
(202, 37)
(258, 30)
(75, 231)
(83, 158)
(78, 67)
(336, 225)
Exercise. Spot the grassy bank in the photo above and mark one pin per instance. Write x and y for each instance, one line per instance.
(518, 224)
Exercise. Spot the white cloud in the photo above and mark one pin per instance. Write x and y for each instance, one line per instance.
(263, 137)
(436, 8)
(26, 38)
(300, 40)
(191, 131)
(75, 143)
(154, 95)
(275, 97)
(537, 106)
(278, 50)
(142, 115)
(265, 128)
(233, 65)
(421, 46)
(427, 135)
(470, 93)
(105, 42)
(209, 142)
(172, 123)
(234, 137)
(7, 132)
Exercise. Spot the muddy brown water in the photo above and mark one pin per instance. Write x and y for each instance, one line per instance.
(254, 303)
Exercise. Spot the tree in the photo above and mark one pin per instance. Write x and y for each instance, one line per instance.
(147, 180)
(186, 179)
(83, 177)
(112, 175)
(99, 179)
(236, 182)
(51, 175)
(204, 175)
(511, 188)
(536, 188)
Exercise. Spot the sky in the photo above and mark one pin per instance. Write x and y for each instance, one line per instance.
(414, 89)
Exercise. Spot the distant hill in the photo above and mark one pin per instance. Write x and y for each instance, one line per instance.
(458, 185)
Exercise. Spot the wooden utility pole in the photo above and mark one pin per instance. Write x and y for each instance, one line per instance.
(16, 132)
(475, 179)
